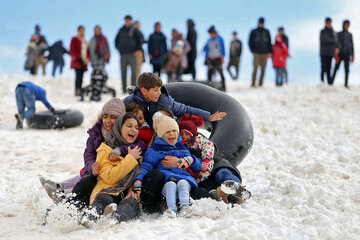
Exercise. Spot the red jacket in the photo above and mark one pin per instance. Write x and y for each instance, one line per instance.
(75, 53)
(145, 134)
(280, 53)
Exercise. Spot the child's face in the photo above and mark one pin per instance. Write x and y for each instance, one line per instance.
(130, 130)
(185, 135)
(108, 121)
(152, 95)
(171, 137)
(140, 115)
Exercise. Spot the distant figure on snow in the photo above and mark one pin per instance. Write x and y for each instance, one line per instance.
(328, 49)
(261, 48)
(30, 53)
(346, 51)
(235, 53)
(285, 39)
(99, 49)
(40, 59)
(80, 54)
(26, 94)
(56, 54)
(140, 59)
(191, 37)
(157, 49)
(279, 55)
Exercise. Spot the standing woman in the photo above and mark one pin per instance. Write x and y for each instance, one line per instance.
(80, 55)
(157, 48)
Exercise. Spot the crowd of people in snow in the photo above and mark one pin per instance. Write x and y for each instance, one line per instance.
(147, 150)
(180, 57)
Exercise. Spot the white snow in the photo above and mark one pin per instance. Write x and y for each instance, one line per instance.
(303, 169)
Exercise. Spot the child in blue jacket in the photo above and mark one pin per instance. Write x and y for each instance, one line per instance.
(26, 95)
(178, 182)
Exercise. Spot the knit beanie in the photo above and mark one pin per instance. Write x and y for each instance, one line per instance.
(113, 107)
(191, 123)
(163, 124)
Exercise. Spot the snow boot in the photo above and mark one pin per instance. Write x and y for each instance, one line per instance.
(236, 193)
(19, 121)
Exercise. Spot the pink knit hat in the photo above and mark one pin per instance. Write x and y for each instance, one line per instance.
(113, 107)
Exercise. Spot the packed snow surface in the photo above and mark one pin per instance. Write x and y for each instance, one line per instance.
(303, 170)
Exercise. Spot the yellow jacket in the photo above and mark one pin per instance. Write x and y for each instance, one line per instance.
(111, 172)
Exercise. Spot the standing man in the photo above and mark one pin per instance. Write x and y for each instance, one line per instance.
(261, 48)
(346, 51)
(128, 43)
(42, 44)
(235, 53)
(99, 49)
(140, 59)
(157, 48)
(285, 39)
(328, 49)
(214, 55)
(191, 55)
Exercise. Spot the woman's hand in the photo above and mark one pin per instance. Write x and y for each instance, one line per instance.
(135, 152)
(170, 161)
(113, 157)
(217, 116)
(95, 168)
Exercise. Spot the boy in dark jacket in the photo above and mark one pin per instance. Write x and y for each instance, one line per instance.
(26, 94)
(151, 93)
(235, 53)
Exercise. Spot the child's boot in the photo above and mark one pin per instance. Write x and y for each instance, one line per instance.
(19, 121)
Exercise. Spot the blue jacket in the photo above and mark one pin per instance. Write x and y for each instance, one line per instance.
(157, 48)
(39, 93)
(165, 101)
(215, 48)
(346, 43)
(158, 151)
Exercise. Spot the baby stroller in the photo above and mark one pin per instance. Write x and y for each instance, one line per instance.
(97, 86)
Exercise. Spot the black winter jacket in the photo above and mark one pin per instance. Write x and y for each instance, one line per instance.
(260, 41)
(128, 40)
(328, 42)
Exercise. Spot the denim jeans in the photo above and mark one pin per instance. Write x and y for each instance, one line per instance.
(55, 66)
(24, 98)
(224, 174)
(171, 190)
(280, 74)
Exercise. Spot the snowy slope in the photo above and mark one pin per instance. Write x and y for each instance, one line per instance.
(303, 170)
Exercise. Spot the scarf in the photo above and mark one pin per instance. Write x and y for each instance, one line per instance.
(102, 47)
(105, 133)
(115, 139)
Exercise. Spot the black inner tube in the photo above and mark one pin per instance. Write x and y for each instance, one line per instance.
(233, 135)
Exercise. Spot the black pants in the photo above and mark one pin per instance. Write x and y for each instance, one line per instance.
(79, 74)
(83, 191)
(213, 66)
(157, 69)
(191, 66)
(151, 196)
(126, 210)
(325, 68)
(346, 59)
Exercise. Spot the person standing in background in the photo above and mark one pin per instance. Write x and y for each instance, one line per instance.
(214, 55)
(40, 59)
(141, 58)
(30, 53)
(285, 39)
(56, 54)
(99, 49)
(261, 48)
(191, 55)
(80, 54)
(235, 53)
(328, 49)
(346, 51)
(157, 49)
(128, 43)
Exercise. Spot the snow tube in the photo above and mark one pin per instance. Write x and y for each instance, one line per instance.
(62, 119)
(233, 136)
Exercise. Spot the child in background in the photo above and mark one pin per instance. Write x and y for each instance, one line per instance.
(172, 63)
(178, 182)
(188, 130)
(280, 53)
(145, 132)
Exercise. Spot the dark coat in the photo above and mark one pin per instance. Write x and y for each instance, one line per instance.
(285, 40)
(56, 53)
(260, 41)
(328, 42)
(157, 48)
(158, 151)
(191, 38)
(165, 101)
(128, 40)
(345, 43)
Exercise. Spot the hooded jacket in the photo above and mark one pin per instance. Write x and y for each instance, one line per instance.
(328, 42)
(157, 48)
(280, 53)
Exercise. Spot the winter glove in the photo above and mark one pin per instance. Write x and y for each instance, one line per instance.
(352, 58)
(185, 162)
(137, 189)
(337, 59)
